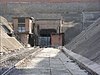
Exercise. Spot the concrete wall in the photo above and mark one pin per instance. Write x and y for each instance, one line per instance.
(15, 24)
(24, 39)
(47, 24)
(56, 40)
(87, 43)
(74, 23)
(49, 1)
(34, 9)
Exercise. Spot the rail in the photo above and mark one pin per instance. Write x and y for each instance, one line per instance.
(8, 71)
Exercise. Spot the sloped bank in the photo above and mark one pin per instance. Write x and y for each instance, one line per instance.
(7, 43)
(87, 43)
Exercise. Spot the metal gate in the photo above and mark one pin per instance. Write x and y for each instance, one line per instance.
(44, 41)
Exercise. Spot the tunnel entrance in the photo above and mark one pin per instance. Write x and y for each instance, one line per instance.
(45, 37)
(47, 32)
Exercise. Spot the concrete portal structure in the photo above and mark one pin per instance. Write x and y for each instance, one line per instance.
(23, 28)
(48, 24)
(74, 13)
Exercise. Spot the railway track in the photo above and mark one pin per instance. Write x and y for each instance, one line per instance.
(13, 67)
(8, 71)
(14, 58)
(46, 61)
(21, 53)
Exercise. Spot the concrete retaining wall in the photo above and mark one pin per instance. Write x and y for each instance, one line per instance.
(87, 43)
(75, 23)
(31, 9)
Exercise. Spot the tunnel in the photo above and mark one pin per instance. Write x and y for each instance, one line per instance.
(45, 37)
